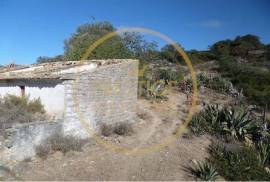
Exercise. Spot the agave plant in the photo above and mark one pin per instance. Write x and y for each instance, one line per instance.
(156, 90)
(212, 116)
(204, 171)
(207, 121)
(238, 124)
(263, 153)
(198, 126)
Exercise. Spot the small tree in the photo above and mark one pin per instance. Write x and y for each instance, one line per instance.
(86, 35)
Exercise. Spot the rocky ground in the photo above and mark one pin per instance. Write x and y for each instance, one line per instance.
(156, 122)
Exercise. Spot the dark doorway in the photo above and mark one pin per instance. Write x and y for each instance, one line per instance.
(22, 91)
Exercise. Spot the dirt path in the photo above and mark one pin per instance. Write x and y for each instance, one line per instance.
(158, 120)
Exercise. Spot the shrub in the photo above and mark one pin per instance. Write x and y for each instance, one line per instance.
(27, 159)
(219, 84)
(58, 142)
(216, 83)
(12, 100)
(122, 128)
(170, 77)
(239, 165)
(254, 81)
(187, 85)
(20, 109)
(202, 78)
(204, 171)
(35, 106)
(42, 150)
(106, 130)
(31, 106)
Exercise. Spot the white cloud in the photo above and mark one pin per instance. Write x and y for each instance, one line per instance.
(211, 24)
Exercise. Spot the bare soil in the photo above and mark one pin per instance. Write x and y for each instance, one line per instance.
(156, 121)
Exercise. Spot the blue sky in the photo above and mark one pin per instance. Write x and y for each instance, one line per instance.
(32, 28)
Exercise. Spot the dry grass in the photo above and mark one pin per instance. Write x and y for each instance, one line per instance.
(20, 109)
(58, 142)
(106, 130)
(42, 151)
(122, 128)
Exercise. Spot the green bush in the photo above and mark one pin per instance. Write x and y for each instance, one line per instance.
(254, 81)
(241, 165)
(170, 77)
(219, 84)
(216, 83)
(202, 78)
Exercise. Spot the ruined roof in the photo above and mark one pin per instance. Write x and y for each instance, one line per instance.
(54, 70)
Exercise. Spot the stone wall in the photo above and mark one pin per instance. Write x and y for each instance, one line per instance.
(105, 95)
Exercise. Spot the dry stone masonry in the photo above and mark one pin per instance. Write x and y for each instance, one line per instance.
(105, 95)
(85, 94)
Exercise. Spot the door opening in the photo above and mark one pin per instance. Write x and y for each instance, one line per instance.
(22, 91)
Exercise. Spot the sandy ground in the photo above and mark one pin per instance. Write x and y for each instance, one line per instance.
(156, 121)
